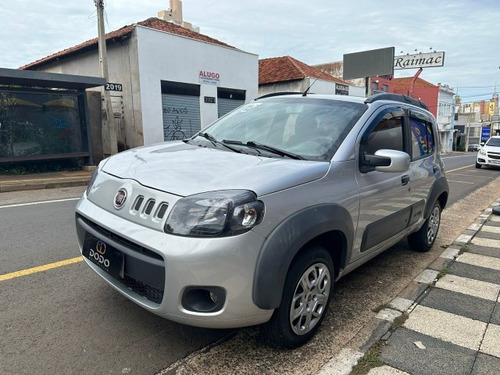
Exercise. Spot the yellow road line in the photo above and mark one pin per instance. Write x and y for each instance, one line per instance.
(29, 271)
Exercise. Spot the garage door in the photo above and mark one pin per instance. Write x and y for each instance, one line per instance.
(181, 116)
(229, 99)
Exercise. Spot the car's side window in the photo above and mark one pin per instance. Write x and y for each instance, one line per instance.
(387, 134)
(422, 137)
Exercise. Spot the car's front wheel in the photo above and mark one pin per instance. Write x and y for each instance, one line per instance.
(478, 165)
(424, 238)
(306, 295)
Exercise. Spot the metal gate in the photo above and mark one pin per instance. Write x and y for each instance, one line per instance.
(227, 105)
(181, 116)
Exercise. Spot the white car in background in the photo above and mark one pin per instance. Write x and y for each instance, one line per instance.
(489, 154)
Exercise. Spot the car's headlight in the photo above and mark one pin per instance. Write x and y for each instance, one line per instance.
(482, 151)
(215, 214)
(92, 180)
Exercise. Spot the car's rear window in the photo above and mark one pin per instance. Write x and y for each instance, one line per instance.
(310, 127)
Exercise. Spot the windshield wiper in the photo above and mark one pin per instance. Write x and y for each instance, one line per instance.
(260, 146)
(215, 142)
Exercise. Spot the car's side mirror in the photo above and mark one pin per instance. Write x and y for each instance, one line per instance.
(386, 160)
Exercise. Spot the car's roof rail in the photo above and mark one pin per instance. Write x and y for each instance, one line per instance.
(279, 94)
(398, 98)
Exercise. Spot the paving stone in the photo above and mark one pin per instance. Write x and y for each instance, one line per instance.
(486, 365)
(487, 229)
(486, 242)
(474, 272)
(495, 318)
(480, 260)
(401, 304)
(472, 287)
(484, 250)
(442, 325)
(459, 304)
(489, 233)
(426, 276)
(386, 370)
(491, 341)
(439, 357)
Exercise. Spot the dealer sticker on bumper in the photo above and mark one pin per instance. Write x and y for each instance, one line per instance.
(104, 256)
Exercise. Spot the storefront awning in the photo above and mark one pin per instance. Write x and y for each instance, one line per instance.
(48, 80)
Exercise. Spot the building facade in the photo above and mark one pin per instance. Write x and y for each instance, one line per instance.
(171, 81)
(286, 74)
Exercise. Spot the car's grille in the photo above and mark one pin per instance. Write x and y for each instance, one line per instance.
(494, 155)
(151, 293)
(130, 245)
(149, 207)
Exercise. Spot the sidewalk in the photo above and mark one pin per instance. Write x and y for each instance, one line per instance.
(44, 180)
(453, 326)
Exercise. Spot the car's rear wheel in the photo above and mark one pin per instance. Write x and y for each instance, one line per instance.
(306, 295)
(424, 238)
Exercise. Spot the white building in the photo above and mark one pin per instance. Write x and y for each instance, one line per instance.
(173, 80)
(286, 74)
(445, 117)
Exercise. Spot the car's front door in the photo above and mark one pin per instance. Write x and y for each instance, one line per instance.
(385, 198)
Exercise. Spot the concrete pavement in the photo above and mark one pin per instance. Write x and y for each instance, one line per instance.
(448, 321)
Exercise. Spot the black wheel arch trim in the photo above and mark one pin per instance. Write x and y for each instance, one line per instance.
(285, 242)
(438, 188)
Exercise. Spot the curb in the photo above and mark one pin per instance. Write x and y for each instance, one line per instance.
(407, 300)
(6, 188)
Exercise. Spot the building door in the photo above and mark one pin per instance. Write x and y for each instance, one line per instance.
(229, 99)
(181, 110)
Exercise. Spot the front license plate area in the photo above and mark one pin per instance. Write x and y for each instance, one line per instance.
(104, 256)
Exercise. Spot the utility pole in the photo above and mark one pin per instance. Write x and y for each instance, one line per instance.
(109, 141)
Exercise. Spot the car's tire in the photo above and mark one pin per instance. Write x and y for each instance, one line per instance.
(424, 238)
(306, 294)
(478, 165)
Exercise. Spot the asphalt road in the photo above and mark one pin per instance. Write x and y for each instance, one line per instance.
(67, 320)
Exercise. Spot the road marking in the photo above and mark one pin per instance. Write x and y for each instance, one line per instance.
(461, 182)
(46, 267)
(41, 202)
(457, 169)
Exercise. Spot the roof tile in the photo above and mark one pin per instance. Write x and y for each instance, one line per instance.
(153, 23)
(286, 68)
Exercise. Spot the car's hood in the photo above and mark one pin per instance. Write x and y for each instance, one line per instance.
(183, 169)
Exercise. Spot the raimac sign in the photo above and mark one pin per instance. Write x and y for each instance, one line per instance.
(421, 60)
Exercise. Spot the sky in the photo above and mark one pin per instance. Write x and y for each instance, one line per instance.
(312, 31)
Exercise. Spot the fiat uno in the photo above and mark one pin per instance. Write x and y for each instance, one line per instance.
(253, 219)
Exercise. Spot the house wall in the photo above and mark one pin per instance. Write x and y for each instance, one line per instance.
(148, 57)
(165, 57)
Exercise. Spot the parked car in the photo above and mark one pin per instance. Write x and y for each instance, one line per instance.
(474, 147)
(489, 154)
(252, 220)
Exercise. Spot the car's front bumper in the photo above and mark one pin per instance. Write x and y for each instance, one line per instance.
(488, 159)
(185, 263)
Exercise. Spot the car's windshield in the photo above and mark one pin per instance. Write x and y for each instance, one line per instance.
(309, 128)
(493, 142)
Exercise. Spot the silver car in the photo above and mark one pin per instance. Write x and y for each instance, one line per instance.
(252, 220)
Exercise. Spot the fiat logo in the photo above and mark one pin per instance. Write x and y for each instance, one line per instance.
(120, 198)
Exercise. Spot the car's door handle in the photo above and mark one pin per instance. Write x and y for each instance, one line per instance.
(405, 179)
